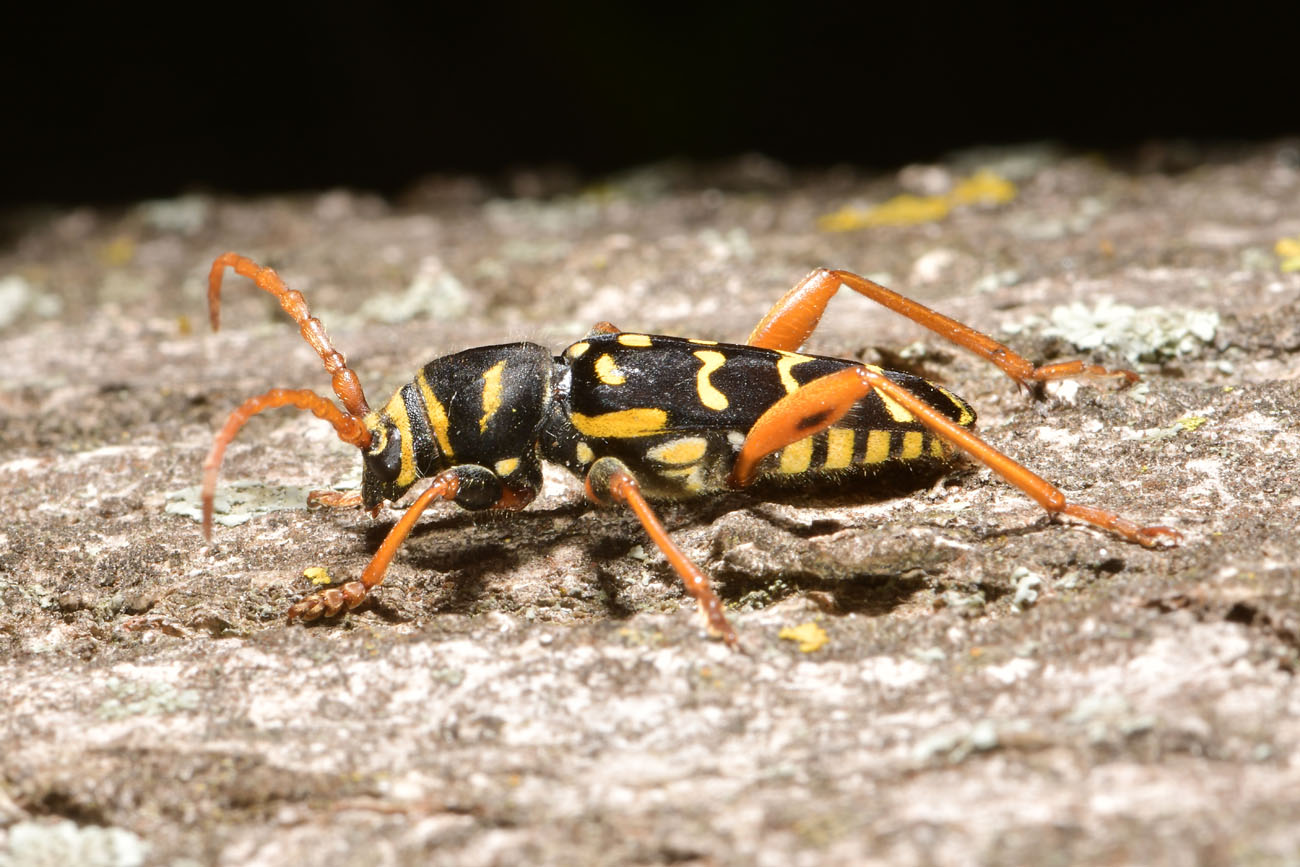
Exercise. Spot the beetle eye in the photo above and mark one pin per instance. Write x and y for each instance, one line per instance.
(385, 460)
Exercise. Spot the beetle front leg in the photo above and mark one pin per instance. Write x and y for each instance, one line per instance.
(610, 479)
(470, 486)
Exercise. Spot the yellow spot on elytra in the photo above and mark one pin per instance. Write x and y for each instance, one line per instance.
(607, 371)
(913, 441)
(839, 448)
(577, 349)
(895, 409)
(703, 342)
(317, 575)
(796, 457)
(584, 452)
(634, 339)
(809, 635)
(966, 415)
(491, 393)
(877, 447)
(436, 412)
(692, 477)
(789, 360)
(938, 448)
(686, 450)
(638, 422)
(396, 411)
(506, 466)
(709, 395)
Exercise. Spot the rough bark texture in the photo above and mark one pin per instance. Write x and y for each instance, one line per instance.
(996, 687)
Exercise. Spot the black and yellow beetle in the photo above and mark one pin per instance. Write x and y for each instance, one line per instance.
(639, 415)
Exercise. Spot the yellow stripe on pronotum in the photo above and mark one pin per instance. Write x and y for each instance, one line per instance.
(437, 414)
(491, 393)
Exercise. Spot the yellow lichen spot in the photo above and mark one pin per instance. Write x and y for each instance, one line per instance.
(584, 452)
(709, 395)
(317, 575)
(506, 466)
(637, 422)
(982, 188)
(686, 450)
(985, 187)
(118, 251)
(1190, 423)
(1288, 250)
(904, 210)
(491, 393)
(607, 371)
(810, 636)
(634, 339)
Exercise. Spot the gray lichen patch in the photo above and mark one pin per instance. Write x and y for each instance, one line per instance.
(1149, 334)
(238, 501)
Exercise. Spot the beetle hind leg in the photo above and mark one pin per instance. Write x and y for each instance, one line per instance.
(820, 403)
(793, 318)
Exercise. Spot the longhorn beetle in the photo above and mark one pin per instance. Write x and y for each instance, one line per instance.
(641, 416)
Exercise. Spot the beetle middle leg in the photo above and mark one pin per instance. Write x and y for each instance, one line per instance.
(610, 479)
(792, 319)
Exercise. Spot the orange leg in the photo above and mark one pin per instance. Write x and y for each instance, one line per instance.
(792, 319)
(610, 479)
(349, 429)
(346, 384)
(332, 600)
(820, 403)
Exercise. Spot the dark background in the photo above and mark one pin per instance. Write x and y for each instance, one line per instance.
(110, 104)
